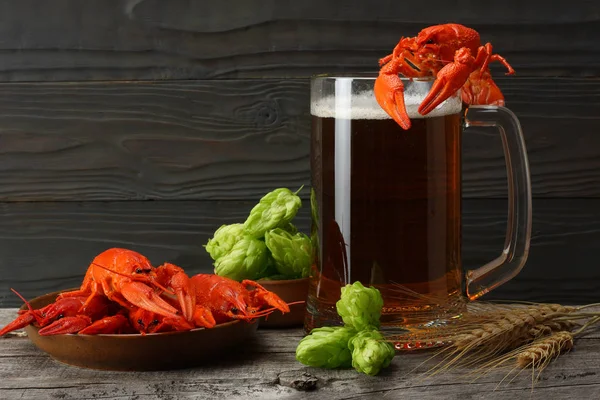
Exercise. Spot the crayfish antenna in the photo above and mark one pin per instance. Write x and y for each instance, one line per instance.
(34, 313)
(266, 312)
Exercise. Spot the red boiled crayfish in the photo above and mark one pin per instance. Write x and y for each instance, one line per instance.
(63, 316)
(123, 293)
(453, 54)
(229, 299)
(127, 278)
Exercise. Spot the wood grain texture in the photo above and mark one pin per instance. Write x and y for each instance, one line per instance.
(48, 246)
(267, 369)
(123, 141)
(241, 138)
(187, 39)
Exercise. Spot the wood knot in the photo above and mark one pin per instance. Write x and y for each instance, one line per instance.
(298, 380)
(267, 114)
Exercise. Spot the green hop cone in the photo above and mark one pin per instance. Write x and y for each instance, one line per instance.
(360, 307)
(224, 239)
(292, 253)
(275, 209)
(326, 347)
(248, 259)
(370, 352)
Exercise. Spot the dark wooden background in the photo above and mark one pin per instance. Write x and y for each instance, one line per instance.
(147, 124)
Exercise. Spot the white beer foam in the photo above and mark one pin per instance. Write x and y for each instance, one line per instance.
(365, 106)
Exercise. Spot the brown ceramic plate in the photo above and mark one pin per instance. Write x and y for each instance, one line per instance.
(158, 351)
(290, 291)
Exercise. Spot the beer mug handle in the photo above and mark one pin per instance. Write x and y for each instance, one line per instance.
(518, 233)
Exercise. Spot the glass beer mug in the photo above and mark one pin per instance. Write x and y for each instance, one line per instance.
(386, 203)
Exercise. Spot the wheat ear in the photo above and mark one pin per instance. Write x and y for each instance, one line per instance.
(508, 330)
(539, 353)
(544, 350)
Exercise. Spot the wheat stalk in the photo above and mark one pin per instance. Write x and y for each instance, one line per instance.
(501, 330)
(488, 335)
(480, 322)
(550, 340)
(510, 327)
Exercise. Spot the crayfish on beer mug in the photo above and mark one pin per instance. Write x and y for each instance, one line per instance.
(386, 180)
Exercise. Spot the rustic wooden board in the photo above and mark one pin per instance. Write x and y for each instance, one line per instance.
(47, 246)
(239, 139)
(267, 369)
(148, 39)
(126, 141)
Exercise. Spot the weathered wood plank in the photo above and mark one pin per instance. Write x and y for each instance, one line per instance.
(47, 246)
(146, 39)
(267, 368)
(147, 141)
(239, 139)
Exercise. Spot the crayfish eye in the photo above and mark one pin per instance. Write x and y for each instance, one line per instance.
(430, 41)
(140, 322)
(234, 310)
(138, 271)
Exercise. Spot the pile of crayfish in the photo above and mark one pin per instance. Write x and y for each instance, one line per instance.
(122, 293)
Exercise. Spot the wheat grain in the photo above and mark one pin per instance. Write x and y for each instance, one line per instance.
(542, 351)
(549, 327)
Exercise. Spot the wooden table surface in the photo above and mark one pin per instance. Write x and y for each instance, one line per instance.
(267, 369)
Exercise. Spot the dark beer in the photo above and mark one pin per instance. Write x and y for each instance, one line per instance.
(386, 211)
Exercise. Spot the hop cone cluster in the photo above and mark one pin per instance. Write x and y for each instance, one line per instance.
(359, 343)
(266, 245)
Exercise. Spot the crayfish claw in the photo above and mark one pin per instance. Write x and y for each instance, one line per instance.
(260, 296)
(112, 324)
(389, 93)
(20, 322)
(203, 317)
(448, 81)
(66, 325)
(174, 277)
(144, 297)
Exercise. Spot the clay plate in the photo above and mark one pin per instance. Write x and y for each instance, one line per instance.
(158, 351)
(290, 291)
